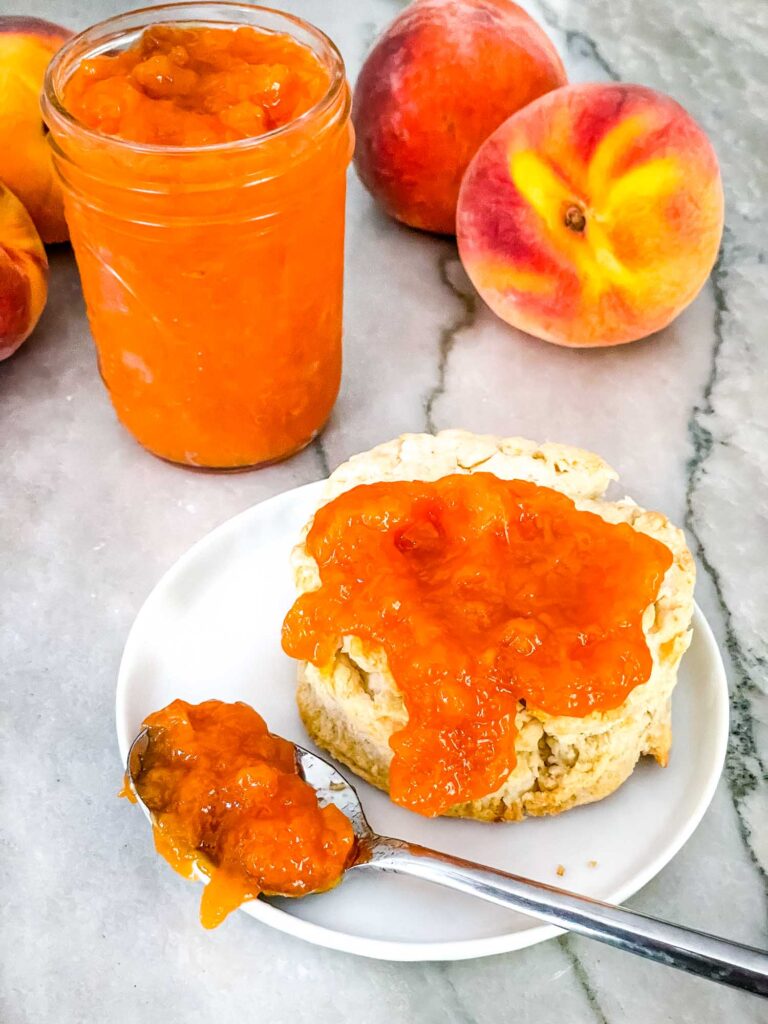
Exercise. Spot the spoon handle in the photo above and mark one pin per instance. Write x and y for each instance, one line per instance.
(721, 960)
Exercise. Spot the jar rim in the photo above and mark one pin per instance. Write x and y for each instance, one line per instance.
(53, 104)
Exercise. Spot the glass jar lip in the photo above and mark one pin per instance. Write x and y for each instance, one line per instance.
(52, 101)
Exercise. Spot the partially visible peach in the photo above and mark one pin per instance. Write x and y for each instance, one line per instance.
(26, 47)
(23, 274)
(443, 76)
(593, 216)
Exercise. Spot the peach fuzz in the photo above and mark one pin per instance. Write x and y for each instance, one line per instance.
(23, 274)
(26, 47)
(442, 77)
(592, 217)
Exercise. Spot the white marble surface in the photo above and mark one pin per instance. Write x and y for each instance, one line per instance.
(94, 926)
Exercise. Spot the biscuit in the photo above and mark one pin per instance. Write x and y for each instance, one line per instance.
(353, 706)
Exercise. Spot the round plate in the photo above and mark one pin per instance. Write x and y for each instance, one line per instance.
(211, 628)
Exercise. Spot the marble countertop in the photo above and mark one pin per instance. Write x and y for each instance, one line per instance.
(95, 928)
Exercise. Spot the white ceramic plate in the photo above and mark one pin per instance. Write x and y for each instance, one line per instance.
(211, 628)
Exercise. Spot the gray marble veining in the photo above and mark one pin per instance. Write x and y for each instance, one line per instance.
(94, 927)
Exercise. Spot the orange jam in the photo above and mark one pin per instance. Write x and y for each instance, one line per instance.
(225, 795)
(485, 595)
(204, 173)
(197, 86)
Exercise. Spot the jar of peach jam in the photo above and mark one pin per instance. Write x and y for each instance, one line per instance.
(203, 150)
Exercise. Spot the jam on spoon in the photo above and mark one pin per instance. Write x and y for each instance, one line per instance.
(226, 797)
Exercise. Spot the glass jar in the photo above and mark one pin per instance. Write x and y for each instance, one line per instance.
(212, 274)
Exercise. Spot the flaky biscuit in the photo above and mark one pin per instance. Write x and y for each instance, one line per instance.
(352, 707)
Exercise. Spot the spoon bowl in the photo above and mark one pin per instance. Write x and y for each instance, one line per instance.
(332, 788)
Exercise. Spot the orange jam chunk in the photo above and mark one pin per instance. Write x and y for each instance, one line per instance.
(483, 593)
(197, 86)
(225, 794)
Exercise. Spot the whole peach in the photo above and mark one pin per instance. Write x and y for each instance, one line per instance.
(593, 216)
(443, 76)
(23, 274)
(26, 47)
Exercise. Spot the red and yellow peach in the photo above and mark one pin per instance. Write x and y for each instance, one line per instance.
(593, 216)
(23, 274)
(442, 77)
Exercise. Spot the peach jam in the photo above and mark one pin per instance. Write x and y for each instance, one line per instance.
(197, 86)
(484, 594)
(203, 151)
(225, 794)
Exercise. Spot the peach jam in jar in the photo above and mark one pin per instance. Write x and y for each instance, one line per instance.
(203, 149)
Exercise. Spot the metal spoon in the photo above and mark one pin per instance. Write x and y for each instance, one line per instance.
(709, 956)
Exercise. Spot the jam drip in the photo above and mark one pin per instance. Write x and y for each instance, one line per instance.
(483, 593)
